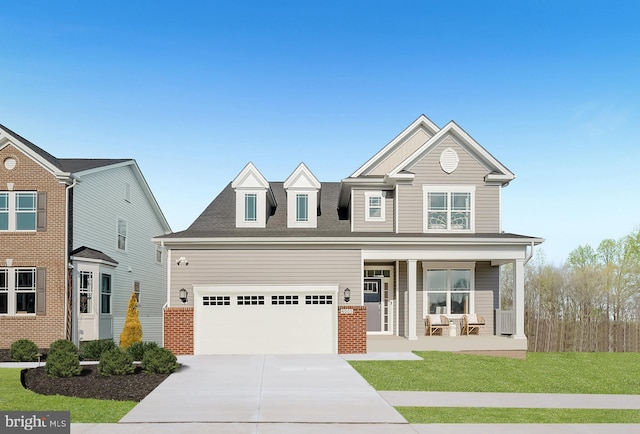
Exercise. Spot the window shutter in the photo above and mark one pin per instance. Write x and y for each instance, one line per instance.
(41, 224)
(41, 284)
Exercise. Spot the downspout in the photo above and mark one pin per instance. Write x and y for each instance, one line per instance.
(530, 255)
(68, 333)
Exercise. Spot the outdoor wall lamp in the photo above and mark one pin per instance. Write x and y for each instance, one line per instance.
(183, 295)
(182, 260)
(347, 295)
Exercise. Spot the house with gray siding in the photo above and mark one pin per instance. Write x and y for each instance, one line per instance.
(89, 251)
(303, 266)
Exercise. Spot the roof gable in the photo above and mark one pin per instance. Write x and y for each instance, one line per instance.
(302, 179)
(497, 171)
(250, 177)
(404, 144)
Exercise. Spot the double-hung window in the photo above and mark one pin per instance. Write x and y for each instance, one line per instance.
(105, 293)
(250, 207)
(122, 234)
(449, 208)
(4, 291)
(18, 290)
(302, 207)
(18, 211)
(86, 291)
(449, 291)
(374, 206)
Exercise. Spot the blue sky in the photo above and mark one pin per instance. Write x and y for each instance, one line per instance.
(194, 90)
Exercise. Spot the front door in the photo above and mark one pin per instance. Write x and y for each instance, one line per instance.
(373, 302)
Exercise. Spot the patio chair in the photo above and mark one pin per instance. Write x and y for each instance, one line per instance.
(435, 324)
(471, 324)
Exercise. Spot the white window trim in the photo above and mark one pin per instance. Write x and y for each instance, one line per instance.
(88, 291)
(367, 206)
(261, 208)
(13, 211)
(426, 189)
(12, 291)
(426, 266)
(306, 211)
(126, 234)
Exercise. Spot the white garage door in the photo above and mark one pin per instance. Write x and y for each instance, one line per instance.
(265, 320)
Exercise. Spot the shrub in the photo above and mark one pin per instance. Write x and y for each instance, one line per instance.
(116, 362)
(132, 330)
(23, 350)
(63, 359)
(92, 350)
(138, 349)
(159, 361)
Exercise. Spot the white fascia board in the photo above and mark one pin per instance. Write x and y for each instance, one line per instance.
(93, 261)
(245, 173)
(487, 158)
(466, 254)
(7, 139)
(347, 242)
(422, 120)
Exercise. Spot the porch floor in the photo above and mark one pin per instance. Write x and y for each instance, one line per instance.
(473, 343)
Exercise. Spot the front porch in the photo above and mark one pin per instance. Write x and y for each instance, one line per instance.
(479, 344)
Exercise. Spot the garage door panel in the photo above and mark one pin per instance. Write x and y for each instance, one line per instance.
(248, 323)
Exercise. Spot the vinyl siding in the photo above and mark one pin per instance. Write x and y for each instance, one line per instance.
(487, 287)
(98, 203)
(469, 172)
(268, 267)
(411, 144)
(359, 213)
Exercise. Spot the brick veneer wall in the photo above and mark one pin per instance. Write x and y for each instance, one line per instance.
(36, 249)
(352, 329)
(178, 330)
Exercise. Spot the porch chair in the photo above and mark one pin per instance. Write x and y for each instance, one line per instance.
(435, 324)
(471, 324)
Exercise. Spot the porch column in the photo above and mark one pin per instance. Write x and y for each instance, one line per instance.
(412, 288)
(518, 298)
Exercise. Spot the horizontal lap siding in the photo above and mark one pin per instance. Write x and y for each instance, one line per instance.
(469, 172)
(486, 289)
(359, 210)
(268, 267)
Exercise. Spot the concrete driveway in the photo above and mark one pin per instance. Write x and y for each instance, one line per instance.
(265, 389)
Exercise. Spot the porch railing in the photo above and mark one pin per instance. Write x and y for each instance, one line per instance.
(505, 322)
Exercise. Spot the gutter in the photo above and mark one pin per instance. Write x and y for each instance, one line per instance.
(530, 255)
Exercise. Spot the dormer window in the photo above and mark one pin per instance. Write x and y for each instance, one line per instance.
(303, 190)
(302, 207)
(250, 207)
(254, 199)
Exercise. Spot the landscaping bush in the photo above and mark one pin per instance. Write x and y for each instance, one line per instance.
(23, 350)
(159, 361)
(132, 330)
(63, 359)
(138, 349)
(116, 362)
(92, 350)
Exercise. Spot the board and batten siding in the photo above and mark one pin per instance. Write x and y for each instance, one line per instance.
(98, 202)
(268, 267)
(360, 208)
(428, 172)
(411, 144)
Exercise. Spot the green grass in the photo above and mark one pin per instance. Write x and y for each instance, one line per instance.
(589, 373)
(516, 415)
(14, 397)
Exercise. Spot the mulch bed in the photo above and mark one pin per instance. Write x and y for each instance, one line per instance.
(90, 384)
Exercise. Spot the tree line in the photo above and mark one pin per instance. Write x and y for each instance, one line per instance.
(589, 303)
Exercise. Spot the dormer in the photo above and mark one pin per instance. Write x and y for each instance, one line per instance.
(303, 190)
(254, 198)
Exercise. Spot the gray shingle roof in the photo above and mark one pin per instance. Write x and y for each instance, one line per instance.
(80, 164)
(89, 253)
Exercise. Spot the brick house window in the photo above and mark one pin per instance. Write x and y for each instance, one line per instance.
(18, 211)
(18, 291)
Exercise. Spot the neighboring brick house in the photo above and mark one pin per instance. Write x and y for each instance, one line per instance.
(303, 266)
(74, 243)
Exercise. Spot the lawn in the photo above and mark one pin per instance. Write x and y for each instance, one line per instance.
(589, 373)
(577, 373)
(13, 397)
